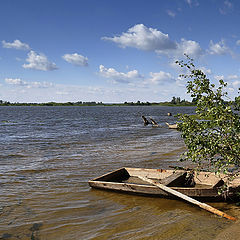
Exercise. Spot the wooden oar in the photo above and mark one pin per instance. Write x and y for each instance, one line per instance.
(187, 198)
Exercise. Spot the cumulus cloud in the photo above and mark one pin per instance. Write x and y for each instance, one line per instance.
(76, 59)
(141, 37)
(238, 42)
(39, 62)
(219, 48)
(116, 76)
(160, 77)
(17, 44)
(19, 82)
(190, 48)
(149, 39)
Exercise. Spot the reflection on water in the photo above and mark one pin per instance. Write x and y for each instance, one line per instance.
(48, 154)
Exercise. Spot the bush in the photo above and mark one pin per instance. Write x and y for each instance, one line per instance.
(212, 136)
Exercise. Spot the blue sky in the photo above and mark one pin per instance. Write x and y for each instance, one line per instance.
(114, 51)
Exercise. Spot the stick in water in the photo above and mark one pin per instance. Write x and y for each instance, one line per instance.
(187, 198)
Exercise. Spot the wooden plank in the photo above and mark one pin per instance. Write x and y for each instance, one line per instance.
(189, 199)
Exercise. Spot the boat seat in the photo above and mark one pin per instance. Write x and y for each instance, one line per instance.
(219, 184)
(175, 180)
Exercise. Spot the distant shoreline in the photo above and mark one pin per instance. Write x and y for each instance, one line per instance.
(168, 104)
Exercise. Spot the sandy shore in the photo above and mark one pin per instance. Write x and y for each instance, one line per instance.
(230, 233)
(233, 231)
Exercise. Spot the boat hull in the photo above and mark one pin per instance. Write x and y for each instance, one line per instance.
(126, 180)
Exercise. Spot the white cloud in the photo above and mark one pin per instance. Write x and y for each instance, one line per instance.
(17, 44)
(119, 76)
(228, 78)
(205, 70)
(171, 13)
(76, 59)
(141, 37)
(149, 39)
(160, 77)
(190, 48)
(40, 85)
(219, 77)
(232, 77)
(219, 48)
(39, 62)
(238, 42)
(236, 83)
(15, 81)
(19, 82)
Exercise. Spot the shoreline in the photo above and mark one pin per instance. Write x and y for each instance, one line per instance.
(231, 232)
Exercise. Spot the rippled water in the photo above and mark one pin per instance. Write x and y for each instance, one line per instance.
(47, 155)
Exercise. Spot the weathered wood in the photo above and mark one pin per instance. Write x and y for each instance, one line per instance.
(176, 179)
(124, 180)
(189, 199)
(154, 123)
(146, 122)
(172, 126)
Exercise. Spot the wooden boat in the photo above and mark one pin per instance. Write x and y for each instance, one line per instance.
(172, 126)
(127, 180)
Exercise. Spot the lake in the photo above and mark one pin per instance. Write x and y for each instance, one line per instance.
(48, 154)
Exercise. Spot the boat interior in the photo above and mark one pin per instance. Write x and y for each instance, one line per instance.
(171, 178)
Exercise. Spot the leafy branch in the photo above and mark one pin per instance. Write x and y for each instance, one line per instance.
(213, 138)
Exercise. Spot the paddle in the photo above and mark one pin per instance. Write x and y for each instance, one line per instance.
(187, 198)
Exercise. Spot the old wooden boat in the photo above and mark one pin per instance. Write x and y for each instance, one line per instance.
(206, 184)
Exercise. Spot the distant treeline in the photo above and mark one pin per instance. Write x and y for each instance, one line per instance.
(176, 101)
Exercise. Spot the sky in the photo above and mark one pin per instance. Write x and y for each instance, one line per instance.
(114, 51)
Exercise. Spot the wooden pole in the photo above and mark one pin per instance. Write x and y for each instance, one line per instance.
(187, 198)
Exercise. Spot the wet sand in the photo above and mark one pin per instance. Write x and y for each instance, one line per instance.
(232, 232)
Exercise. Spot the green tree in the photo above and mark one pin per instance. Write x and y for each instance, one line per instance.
(178, 100)
(173, 100)
(212, 136)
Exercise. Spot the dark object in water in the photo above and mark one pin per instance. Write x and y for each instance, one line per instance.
(146, 122)
(154, 123)
(169, 114)
(126, 180)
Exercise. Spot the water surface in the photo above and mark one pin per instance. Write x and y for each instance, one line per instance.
(47, 155)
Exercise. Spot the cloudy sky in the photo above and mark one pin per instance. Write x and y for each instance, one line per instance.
(114, 51)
